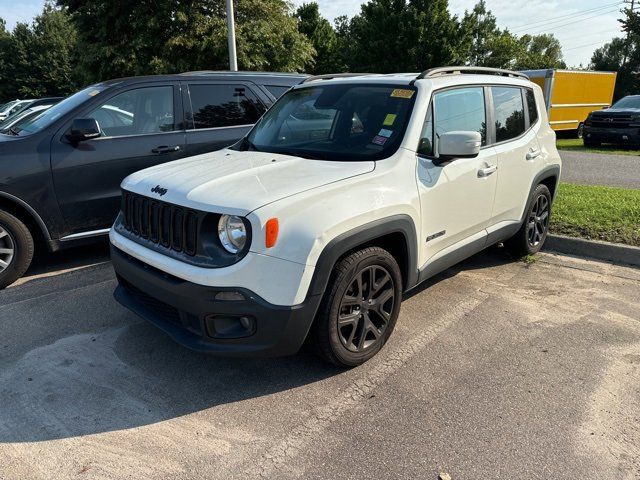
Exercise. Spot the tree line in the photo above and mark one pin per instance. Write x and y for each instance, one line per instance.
(73, 43)
(622, 55)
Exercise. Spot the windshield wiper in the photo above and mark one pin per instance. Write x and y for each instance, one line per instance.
(14, 131)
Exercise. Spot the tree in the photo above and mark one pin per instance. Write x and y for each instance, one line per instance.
(539, 51)
(396, 36)
(479, 34)
(434, 34)
(165, 36)
(323, 37)
(622, 55)
(39, 59)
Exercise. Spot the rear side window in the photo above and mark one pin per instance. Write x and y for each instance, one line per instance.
(276, 90)
(216, 106)
(508, 112)
(531, 106)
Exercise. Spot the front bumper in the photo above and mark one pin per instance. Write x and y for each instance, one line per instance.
(612, 135)
(184, 310)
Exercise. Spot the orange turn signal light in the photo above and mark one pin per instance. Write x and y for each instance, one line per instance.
(271, 232)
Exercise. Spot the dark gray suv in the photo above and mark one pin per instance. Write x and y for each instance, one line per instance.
(60, 174)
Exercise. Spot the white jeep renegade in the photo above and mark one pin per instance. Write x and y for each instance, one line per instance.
(350, 190)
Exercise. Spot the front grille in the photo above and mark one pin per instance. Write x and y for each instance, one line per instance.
(171, 226)
(610, 121)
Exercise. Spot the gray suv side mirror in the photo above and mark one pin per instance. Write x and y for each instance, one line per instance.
(83, 129)
(452, 145)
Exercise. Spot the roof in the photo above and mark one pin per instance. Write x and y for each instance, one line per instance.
(267, 78)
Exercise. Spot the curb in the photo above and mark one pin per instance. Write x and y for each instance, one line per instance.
(611, 252)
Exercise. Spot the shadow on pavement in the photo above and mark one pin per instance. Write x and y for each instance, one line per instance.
(106, 370)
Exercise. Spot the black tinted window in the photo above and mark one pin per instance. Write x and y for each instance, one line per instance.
(460, 109)
(223, 106)
(276, 90)
(531, 106)
(509, 112)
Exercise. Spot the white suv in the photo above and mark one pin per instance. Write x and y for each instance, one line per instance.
(350, 190)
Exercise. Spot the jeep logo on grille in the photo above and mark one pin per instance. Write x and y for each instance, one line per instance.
(159, 190)
(610, 120)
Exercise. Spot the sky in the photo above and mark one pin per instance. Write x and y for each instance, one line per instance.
(580, 25)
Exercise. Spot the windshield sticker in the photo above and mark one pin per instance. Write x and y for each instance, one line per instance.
(389, 119)
(402, 93)
(385, 133)
(378, 140)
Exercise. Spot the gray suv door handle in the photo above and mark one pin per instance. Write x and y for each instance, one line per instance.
(533, 153)
(165, 149)
(486, 171)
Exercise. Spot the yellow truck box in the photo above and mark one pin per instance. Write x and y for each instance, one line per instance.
(571, 95)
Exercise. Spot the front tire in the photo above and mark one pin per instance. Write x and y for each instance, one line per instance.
(16, 249)
(534, 230)
(360, 307)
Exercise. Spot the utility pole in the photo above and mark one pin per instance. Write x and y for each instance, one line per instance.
(231, 36)
(626, 47)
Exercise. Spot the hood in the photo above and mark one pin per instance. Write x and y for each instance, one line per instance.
(237, 183)
(614, 112)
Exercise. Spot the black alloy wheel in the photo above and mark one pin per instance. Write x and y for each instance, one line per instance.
(360, 307)
(538, 222)
(366, 308)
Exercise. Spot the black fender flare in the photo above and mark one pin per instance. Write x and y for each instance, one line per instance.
(362, 235)
(547, 172)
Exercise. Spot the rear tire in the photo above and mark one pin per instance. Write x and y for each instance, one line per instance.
(360, 307)
(534, 229)
(16, 249)
(580, 130)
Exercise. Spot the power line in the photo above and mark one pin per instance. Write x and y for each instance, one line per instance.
(547, 30)
(585, 45)
(569, 15)
(608, 30)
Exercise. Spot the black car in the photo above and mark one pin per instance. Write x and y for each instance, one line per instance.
(619, 124)
(60, 174)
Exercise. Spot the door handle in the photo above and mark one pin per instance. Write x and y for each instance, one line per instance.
(533, 153)
(165, 149)
(486, 171)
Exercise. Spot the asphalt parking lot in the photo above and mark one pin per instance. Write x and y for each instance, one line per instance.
(497, 370)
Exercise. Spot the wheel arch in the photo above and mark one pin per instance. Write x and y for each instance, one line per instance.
(396, 234)
(23, 211)
(550, 177)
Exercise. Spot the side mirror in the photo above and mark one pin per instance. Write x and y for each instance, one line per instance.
(452, 145)
(83, 129)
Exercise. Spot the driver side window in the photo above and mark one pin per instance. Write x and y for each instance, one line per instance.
(458, 109)
(140, 111)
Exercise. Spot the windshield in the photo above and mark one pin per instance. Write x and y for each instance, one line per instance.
(335, 122)
(627, 102)
(59, 109)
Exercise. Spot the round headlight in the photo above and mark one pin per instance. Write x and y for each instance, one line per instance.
(232, 233)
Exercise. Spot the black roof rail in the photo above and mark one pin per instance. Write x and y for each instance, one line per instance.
(241, 72)
(440, 71)
(329, 76)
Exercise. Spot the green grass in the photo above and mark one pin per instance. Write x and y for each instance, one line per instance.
(576, 145)
(598, 213)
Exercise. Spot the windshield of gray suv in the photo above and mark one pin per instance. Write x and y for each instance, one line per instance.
(627, 102)
(342, 121)
(58, 110)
